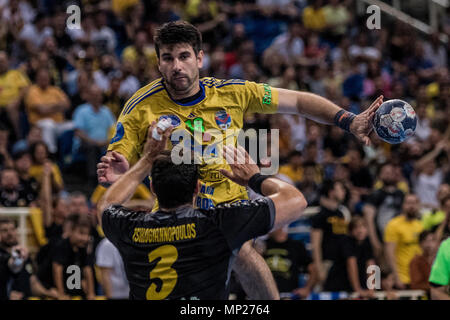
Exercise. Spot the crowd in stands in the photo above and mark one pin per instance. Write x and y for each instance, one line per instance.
(62, 90)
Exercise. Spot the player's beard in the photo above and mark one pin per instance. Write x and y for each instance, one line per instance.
(180, 87)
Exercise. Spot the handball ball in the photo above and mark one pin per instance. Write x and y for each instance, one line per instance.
(395, 121)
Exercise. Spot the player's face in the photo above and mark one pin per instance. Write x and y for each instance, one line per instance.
(179, 66)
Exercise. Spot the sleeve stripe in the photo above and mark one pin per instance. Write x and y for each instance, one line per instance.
(143, 97)
(133, 100)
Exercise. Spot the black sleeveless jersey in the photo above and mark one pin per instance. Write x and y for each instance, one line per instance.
(187, 253)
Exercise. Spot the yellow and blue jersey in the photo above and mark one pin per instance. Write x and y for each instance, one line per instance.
(220, 106)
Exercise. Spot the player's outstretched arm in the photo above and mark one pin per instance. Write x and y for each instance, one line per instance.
(288, 200)
(124, 188)
(324, 111)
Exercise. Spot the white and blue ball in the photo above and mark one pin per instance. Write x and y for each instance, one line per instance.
(395, 121)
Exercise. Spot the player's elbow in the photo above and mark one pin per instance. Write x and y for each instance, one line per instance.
(296, 204)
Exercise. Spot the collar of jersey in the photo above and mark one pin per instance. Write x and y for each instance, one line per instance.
(190, 103)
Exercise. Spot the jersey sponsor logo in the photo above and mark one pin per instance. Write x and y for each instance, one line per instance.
(173, 118)
(120, 132)
(267, 99)
(223, 119)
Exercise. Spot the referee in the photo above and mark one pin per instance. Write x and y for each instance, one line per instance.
(180, 252)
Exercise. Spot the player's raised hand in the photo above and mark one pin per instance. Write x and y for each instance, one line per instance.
(361, 126)
(242, 165)
(157, 136)
(111, 167)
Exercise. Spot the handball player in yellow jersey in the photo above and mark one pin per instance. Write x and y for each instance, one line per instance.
(193, 104)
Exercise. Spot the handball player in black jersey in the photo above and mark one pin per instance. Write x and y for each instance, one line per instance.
(179, 252)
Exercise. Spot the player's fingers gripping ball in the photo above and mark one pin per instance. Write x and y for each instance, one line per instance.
(163, 124)
(395, 121)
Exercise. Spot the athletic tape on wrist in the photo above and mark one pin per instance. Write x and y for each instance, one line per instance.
(343, 119)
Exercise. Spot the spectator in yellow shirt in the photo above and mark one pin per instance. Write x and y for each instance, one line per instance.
(401, 239)
(140, 48)
(314, 16)
(13, 86)
(45, 105)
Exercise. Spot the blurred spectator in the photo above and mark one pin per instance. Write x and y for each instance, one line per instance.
(34, 34)
(22, 164)
(290, 44)
(34, 135)
(17, 280)
(46, 105)
(129, 83)
(337, 19)
(72, 252)
(352, 258)
(382, 206)
(40, 156)
(328, 226)
(12, 193)
(443, 230)
(428, 176)
(309, 185)
(401, 239)
(440, 273)
(287, 259)
(388, 285)
(420, 266)
(93, 122)
(433, 218)
(13, 86)
(314, 16)
(293, 169)
(5, 157)
(103, 37)
(140, 48)
(360, 175)
(113, 100)
(113, 278)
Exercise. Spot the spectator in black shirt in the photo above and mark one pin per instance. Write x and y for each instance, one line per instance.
(71, 251)
(22, 163)
(12, 193)
(360, 175)
(17, 280)
(287, 259)
(354, 256)
(382, 205)
(328, 225)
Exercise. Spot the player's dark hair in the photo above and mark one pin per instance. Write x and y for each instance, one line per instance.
(174, 184)
(177, 32)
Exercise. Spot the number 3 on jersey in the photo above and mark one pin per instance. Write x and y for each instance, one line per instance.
(165, 256)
